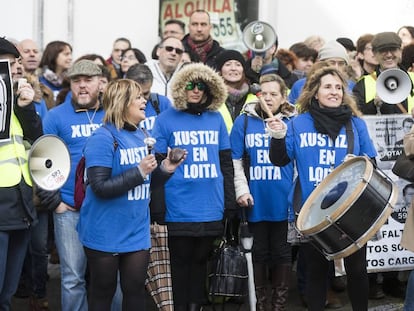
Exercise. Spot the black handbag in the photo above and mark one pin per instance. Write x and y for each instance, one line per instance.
(228, 275)
(404, 167)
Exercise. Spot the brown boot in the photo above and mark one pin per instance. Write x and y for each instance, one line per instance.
(260, 281)
(38, 304)
(332, 300)
(280, 286)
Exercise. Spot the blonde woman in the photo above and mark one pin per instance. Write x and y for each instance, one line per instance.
(114, 224)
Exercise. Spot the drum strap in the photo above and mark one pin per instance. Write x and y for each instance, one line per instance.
(350, 137)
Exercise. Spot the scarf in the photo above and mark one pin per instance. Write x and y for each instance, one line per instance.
(329, 120)
(234, 99)
(52, 77)
(201, 48)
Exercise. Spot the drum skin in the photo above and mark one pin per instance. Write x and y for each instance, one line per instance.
(347, 208)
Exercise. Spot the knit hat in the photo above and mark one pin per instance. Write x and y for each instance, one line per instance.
(227, 55)
(333, 49)
(6, 47)
(84, 68)
(384, 40)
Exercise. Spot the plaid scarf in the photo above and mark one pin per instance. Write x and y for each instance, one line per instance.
(201, 48)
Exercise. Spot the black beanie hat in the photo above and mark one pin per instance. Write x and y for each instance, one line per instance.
(6, 47)
(227, 55)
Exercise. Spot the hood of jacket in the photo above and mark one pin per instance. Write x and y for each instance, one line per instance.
(198, 72)
(286, 110)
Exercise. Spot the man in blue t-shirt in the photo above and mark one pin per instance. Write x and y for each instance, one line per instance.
(74, 121)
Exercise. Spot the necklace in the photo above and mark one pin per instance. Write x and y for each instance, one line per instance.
(89, 117)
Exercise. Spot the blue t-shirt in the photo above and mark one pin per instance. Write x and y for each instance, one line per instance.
(150, 113)
(118, 224)
(74, 128)
(41, 108)
(316, 155)
(269, 185)
(195, 192)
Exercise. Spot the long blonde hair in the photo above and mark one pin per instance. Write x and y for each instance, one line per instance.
(118, 95)
(314, 82)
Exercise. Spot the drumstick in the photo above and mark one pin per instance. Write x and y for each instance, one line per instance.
(264, 106)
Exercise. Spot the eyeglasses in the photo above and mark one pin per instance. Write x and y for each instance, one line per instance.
(171, 48)
(201, 86)
(387, 50)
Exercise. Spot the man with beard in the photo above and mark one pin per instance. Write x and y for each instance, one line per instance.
(198, 42)
(74, 121)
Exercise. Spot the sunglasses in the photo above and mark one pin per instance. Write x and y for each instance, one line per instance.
(201, 86)
(171, 48)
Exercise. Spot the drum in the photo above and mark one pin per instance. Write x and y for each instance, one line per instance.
(347, 208)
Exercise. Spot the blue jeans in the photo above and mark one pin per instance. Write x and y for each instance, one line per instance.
(38, 255)
(72, 262)
(13, 246)
(409, 293)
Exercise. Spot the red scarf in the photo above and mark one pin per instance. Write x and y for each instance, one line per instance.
(201, 48)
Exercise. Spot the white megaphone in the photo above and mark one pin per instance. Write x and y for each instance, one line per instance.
(393, 86)
(49, 162)
(259, 36)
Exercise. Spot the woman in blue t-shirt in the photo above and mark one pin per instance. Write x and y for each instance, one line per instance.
(326, 110)
(202, 188)
(267, 187)
(114, 223)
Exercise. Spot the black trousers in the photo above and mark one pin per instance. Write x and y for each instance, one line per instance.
(189, 256)
(317, 272)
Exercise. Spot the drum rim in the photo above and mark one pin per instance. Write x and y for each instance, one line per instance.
(345, 206)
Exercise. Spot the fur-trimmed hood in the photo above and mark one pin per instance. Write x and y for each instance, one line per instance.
(198, 72)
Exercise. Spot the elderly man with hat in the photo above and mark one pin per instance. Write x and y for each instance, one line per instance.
(19, 122)
(334, 54)
(74, 121)
(386, 47)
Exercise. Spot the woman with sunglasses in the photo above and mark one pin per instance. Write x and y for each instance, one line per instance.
(202, 188)
(170, 51)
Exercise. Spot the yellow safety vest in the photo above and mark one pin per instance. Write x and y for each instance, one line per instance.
(13, 157)
(370, 82)
(226, 113)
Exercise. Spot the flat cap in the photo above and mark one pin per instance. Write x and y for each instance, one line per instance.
(6, 47)
(384, 40)
(84, 68)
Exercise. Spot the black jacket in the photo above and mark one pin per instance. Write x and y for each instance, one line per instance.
(211, 55)
(16, 205)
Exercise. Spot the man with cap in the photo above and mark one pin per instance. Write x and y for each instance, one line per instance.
(334, 54)
(74, 121)
(386, 47)
(387, 50)
(17, 213)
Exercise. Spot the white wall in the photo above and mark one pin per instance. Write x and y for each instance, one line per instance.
(97, 23)
(294, 20)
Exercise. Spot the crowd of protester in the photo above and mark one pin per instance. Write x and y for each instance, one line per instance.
(239, 117)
